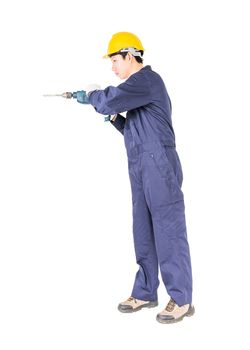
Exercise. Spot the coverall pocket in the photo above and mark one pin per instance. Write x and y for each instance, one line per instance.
(163, 165)
(162, 179)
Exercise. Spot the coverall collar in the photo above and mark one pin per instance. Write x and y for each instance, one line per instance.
(143, 68)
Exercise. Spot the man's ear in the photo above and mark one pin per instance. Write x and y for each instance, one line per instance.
(129, 56)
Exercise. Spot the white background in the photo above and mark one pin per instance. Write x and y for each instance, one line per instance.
(66, 250)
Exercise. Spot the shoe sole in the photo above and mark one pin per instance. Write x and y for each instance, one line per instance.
(149, 305)
(189, 313)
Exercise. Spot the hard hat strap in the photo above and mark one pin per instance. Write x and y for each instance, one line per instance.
(132, 50)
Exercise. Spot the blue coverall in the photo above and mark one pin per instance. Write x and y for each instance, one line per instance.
(159, 226)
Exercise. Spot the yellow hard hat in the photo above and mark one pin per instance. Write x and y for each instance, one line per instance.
(124, 40)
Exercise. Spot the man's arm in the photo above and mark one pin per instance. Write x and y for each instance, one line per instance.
(134, 93)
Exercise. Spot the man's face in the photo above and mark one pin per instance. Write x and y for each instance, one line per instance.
(121, 66)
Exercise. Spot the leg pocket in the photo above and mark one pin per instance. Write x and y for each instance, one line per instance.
(166, 170)
(161, 162)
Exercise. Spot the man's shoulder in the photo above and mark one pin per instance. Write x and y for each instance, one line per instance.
(149, 73)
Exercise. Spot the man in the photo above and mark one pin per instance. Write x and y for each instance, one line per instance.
(159, 227)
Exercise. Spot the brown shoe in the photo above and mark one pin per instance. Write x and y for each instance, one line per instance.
(132, 305)
(175, 313)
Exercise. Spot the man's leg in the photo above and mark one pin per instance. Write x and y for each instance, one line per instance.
(162, 179)
(146, 280)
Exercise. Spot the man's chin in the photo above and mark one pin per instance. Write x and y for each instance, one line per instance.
(122, 77)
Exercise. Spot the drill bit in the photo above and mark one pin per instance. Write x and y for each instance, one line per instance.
(65, 95)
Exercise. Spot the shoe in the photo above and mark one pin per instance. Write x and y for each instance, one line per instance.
(175, 313)
(132, 305)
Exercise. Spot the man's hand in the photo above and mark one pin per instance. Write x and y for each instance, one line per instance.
(92, 87)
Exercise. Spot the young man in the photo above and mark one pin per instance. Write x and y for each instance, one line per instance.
(159, 227)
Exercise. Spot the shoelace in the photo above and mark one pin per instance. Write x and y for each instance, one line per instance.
(132, 299)
(171, 305)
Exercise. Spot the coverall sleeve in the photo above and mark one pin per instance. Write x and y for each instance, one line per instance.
(133, 93)
(119, 123)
